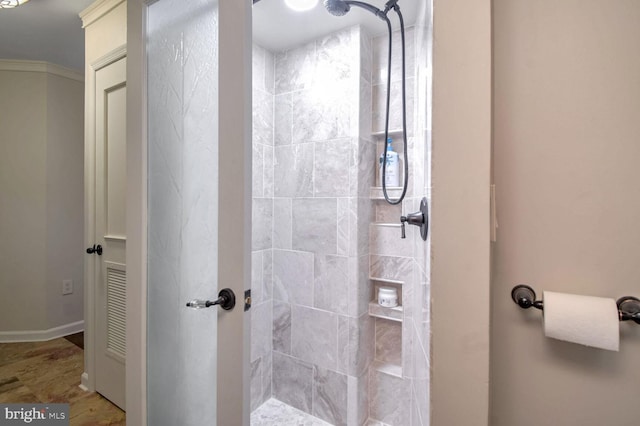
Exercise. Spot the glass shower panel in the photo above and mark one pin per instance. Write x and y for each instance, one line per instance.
(182, 79)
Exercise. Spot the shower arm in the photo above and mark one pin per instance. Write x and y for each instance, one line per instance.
(379, 13)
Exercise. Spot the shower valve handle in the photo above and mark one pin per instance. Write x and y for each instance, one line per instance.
(419, 218)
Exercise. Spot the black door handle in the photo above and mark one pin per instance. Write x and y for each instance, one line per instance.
(95, 249)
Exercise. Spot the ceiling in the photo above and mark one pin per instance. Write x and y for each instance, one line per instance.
(50, 30)
(277, 28)
(44, 30)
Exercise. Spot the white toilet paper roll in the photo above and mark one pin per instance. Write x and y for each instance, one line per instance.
(590, 321)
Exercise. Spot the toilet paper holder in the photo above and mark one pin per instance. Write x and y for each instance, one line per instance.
(525, 297)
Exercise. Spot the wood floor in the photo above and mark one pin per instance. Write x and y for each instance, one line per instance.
(41, 372)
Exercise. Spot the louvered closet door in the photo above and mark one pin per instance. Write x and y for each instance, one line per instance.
(111, 231)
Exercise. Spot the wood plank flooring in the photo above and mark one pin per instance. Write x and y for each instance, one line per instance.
(41, 372)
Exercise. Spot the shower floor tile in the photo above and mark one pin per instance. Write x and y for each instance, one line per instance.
(276, 413)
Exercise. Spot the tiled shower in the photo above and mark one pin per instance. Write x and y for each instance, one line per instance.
(324, 239)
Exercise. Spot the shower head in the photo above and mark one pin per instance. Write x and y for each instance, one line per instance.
(337, 7)
(341, 7)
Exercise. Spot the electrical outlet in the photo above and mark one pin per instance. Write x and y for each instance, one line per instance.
(67, 287)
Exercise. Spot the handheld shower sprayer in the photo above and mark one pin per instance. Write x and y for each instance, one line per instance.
(341, 8)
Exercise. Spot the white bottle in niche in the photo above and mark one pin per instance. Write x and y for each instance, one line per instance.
(393, 166)
(388, 297)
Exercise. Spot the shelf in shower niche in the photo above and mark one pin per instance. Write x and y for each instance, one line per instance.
(387, 368)
(392, 191)
(392, 314)
(394, 132)
(386, 280)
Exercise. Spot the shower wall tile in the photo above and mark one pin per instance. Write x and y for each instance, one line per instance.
(282, 223)
(255, 387)
(392, 268)
(358, 399)
(261, 341)
(315, 224)
(293, 277)
(331, 278)
(322, 113)
(293, 171)
(366, 57)
(262, 117)
(268, 171)
(258, 67)
(366, 164)
(314, 336)
(381, 56)
(365, 217)
(385, 240)
(257, 170)
(295, 68)
(421, 384)
(293, 381)
(267, 366)
(379, 100)
(269, 72)
(356, 337)
(263, 69)
(331, 168)
(256, 277)
(387, 213)
(365, 102)
(359, 290)
(389, 341)
(330, 396)
(345, 220)
(407, 347)
(282, 327)
(394, 410)
(262, 223)
(415, 415)
(267, 274)
(283, 112)
(337, 58)
(423, 316)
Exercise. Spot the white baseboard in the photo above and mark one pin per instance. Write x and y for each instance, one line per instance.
(41, 335)
(84, 382)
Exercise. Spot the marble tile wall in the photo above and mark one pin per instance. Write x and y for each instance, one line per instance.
(399, 379)
(314, 244)
(262, 273)
(322, 337)
(420, 398)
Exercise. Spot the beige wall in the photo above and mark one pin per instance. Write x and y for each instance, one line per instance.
(460, 212)
(64, 192)
(41, 165)
(567, 148)
(23, 160)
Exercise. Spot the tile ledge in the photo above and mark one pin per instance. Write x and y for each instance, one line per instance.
(387, 368)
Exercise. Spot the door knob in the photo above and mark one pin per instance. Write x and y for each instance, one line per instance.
(226, 299)
(95, 249)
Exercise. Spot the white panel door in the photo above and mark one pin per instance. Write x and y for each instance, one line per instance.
(198, 205)
(111, 231)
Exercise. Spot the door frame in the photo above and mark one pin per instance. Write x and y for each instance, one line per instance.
(235, 189)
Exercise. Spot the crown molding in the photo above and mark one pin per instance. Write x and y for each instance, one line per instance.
(40, 66)
(97, 10)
